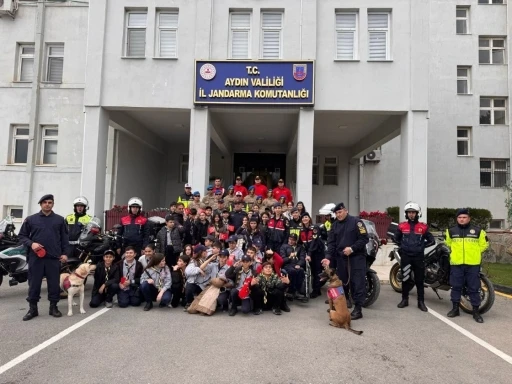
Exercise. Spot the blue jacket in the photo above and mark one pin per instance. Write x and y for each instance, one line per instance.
(50, 231)
(350, 232)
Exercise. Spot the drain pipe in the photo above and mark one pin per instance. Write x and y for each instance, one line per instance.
(300, 27)
(509, 119)
(34, 108)
(361, 184)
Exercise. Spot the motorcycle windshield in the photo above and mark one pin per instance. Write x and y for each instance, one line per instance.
(370, 228)
(4, 223)
(94, 223)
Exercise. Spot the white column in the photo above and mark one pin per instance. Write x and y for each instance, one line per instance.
(199, 151)
(305, 137)
(94, 159)
(413, 159)
(353, 187)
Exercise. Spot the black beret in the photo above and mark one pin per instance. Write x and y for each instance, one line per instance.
(462, 211)
(338, 207)
(45, 197)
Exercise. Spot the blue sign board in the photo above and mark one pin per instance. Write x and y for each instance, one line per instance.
(255, 82)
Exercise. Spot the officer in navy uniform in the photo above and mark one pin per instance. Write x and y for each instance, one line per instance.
(346, 243)
(46, 236)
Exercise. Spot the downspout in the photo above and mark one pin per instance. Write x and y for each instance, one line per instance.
(509, 117)
(34, 107)
(361, 184)
(300, 27)
(211, 31)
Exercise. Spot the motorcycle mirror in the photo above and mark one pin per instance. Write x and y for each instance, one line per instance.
(95, 230)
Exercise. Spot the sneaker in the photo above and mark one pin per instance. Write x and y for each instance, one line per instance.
(108, 304)
(258, 312)
(232, 312)
(285, 307)
(185, 309)
(276, 311)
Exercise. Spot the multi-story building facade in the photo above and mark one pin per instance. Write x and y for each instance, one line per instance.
(379, 102)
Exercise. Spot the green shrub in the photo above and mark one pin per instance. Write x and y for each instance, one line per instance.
(445, 217)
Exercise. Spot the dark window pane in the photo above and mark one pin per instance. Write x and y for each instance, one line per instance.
(21, 151)
(485, 164)
(498, 56)
(462, 27)
(330, 180)
(484, 57)
(500, 179)
(462, 86)
(485, 117)
(462, 133)
(485, 179)
(17, 213)
(462, 148)
(499, 117)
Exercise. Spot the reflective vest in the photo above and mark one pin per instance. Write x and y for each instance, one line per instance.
(466, 244)
(74, 228)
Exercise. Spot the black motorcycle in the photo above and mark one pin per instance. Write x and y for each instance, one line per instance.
(8, 237)
(437, 276)
(372, 279)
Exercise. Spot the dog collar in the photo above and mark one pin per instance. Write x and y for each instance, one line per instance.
(76, 274)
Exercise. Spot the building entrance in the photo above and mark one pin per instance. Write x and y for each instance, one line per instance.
(269, 167)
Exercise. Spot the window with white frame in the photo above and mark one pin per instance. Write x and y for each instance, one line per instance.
(271, 35)
(54, 63)
(463, 80)
(491, 50)
(493, 110)
(462, 20)
(330, 171)
(378, 35)
(135, 34)
(184, 168)
(491, 1)
(239, 35)
(494, 173)
(26, 62)
(167, 38)
(497, 224)
(16, 212)
(463, 141)
(315, 170)
(346, 36)
(49, 143)
(19, 144)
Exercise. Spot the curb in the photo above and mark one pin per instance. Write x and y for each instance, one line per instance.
(503, 289)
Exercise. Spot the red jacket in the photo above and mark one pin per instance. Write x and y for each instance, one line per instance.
(241, 188)
(260, 190)
(278, 192)
(278, 263)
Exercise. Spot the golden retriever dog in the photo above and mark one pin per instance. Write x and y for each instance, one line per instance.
(339, 315)
(73, 283)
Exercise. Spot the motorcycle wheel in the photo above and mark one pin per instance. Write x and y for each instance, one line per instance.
(372, 289)
(487, 296)
(1, 279)
(395, 278)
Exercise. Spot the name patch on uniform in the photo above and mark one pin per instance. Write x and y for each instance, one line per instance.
(333, 293)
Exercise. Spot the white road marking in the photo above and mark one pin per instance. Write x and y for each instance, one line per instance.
(469, 335)
(47, 343)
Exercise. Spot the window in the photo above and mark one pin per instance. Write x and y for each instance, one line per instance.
(184, 168)
(54, 63)
(239, 35)
(491, 1)
(26, 62)
(19, 145)
(497, 224)
(463, 141)
(492, 111)
(331, 171)
(346, 36)
(463, 80)
(378, 36)
(491, 50)
(315, 170)
(136, 34)
(494, 173)
(271, 35)
(49, 145)
(167, 38)
(16, 213)
(462, 20)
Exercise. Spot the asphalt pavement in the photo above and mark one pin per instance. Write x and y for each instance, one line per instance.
(168, 345)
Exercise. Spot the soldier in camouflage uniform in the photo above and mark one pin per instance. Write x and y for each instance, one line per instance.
(250, 199)
(196, 202)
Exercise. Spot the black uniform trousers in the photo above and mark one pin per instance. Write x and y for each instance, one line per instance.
(296, 277)
(108, 294)
(38, 268)
(416, 265)
(131, 296)
(171, 257)
(352, 270)
(469, 276)
(275, 298)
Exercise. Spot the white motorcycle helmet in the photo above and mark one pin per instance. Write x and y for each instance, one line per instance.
(411, 206)
(135, 202)
(327, 210)
(81, 200)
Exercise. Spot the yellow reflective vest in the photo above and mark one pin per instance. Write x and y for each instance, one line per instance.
(466, 244)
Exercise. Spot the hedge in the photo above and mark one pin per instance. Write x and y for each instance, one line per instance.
(445, 217)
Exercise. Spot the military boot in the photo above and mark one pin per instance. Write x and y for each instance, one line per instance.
(404, 303)
(32, 312)
(422, 306)
(476, 315)
(357, 313)
(455, 310)
(54, 311)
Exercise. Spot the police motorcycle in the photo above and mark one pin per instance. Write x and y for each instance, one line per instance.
(8, 237)
(372, 247)
(156, 223)
(437, 273)
(92, 243)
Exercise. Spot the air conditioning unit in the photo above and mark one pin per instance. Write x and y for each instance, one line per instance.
(372, 157)
(8, 7)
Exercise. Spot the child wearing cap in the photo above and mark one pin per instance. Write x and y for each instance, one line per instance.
(106, 281)
(267, 290)
(240, 273)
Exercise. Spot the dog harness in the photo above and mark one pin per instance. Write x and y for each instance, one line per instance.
(66, 284)
(334, 293)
